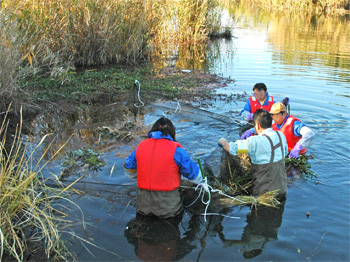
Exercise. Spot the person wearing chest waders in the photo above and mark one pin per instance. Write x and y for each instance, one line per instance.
(158, 163)
(260, 100)
(298, 135)
(267, 151)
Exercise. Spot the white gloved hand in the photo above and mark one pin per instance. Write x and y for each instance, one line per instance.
(198, 178)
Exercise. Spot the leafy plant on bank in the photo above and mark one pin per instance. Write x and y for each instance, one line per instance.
(83, 157)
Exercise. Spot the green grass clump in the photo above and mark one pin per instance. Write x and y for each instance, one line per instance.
(117, 83)
(29, 224)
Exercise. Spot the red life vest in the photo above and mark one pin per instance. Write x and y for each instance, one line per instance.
(255, 105)
(156, 167)
(287, 130)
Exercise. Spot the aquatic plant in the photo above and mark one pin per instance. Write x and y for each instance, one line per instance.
(83, 157)
(300, 165)
(29, 222)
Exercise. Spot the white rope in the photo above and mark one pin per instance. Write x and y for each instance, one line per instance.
(209, 191)
(217, 214)
(138, 95)
(178, 107)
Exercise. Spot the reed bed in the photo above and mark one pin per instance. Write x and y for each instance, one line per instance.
(29, 222)
(9, 60)
(58, 35)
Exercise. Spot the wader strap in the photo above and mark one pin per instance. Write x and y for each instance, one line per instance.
(280, 143)
(274, 147)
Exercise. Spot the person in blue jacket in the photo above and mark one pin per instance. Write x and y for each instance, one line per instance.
(260, 100)
(158, 163)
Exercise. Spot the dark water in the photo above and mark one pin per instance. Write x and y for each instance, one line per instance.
(307, 60)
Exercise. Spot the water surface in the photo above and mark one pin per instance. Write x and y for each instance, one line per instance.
(306, 59)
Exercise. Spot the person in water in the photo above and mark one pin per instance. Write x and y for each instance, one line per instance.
(298, 135)
(158, 163)
(260, 99)
(267, 151)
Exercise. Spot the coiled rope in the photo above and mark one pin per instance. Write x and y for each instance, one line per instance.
(210, 190)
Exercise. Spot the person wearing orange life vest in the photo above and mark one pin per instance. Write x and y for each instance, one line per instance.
(298, 135)
(158, 163)
(260, 100)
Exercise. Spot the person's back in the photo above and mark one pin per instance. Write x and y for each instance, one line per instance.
(267, 151)
(158, 163)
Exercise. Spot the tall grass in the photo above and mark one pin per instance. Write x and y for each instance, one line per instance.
(28, 220)
(58, 35)
(187, 21)
(9, 59)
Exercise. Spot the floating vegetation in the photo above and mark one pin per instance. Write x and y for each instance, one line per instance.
(234, 178)
(300, 165)
(82, 157)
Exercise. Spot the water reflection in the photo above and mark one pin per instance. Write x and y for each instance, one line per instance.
(185, 56)
(303, 40)
(262, 227)
(159, 239)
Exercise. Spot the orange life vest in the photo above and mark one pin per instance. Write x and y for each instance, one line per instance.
(156, 167)
(287, 130)
(255, 105)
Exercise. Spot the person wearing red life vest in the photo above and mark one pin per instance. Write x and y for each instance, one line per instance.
(158, 163)
(260, 100)
(298, 135)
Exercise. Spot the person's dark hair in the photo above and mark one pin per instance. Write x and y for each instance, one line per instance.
(260, 86)
(263, 117)
(164, 125)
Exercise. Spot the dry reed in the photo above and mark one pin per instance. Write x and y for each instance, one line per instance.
(56, 36)
(28, 220)
(266, 199)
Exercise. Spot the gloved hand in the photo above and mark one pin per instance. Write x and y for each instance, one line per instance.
(130, 173)
(285, 101)
(294, 153)
(204, 184)
(246, 134)
(250, 116)
(200, 181)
